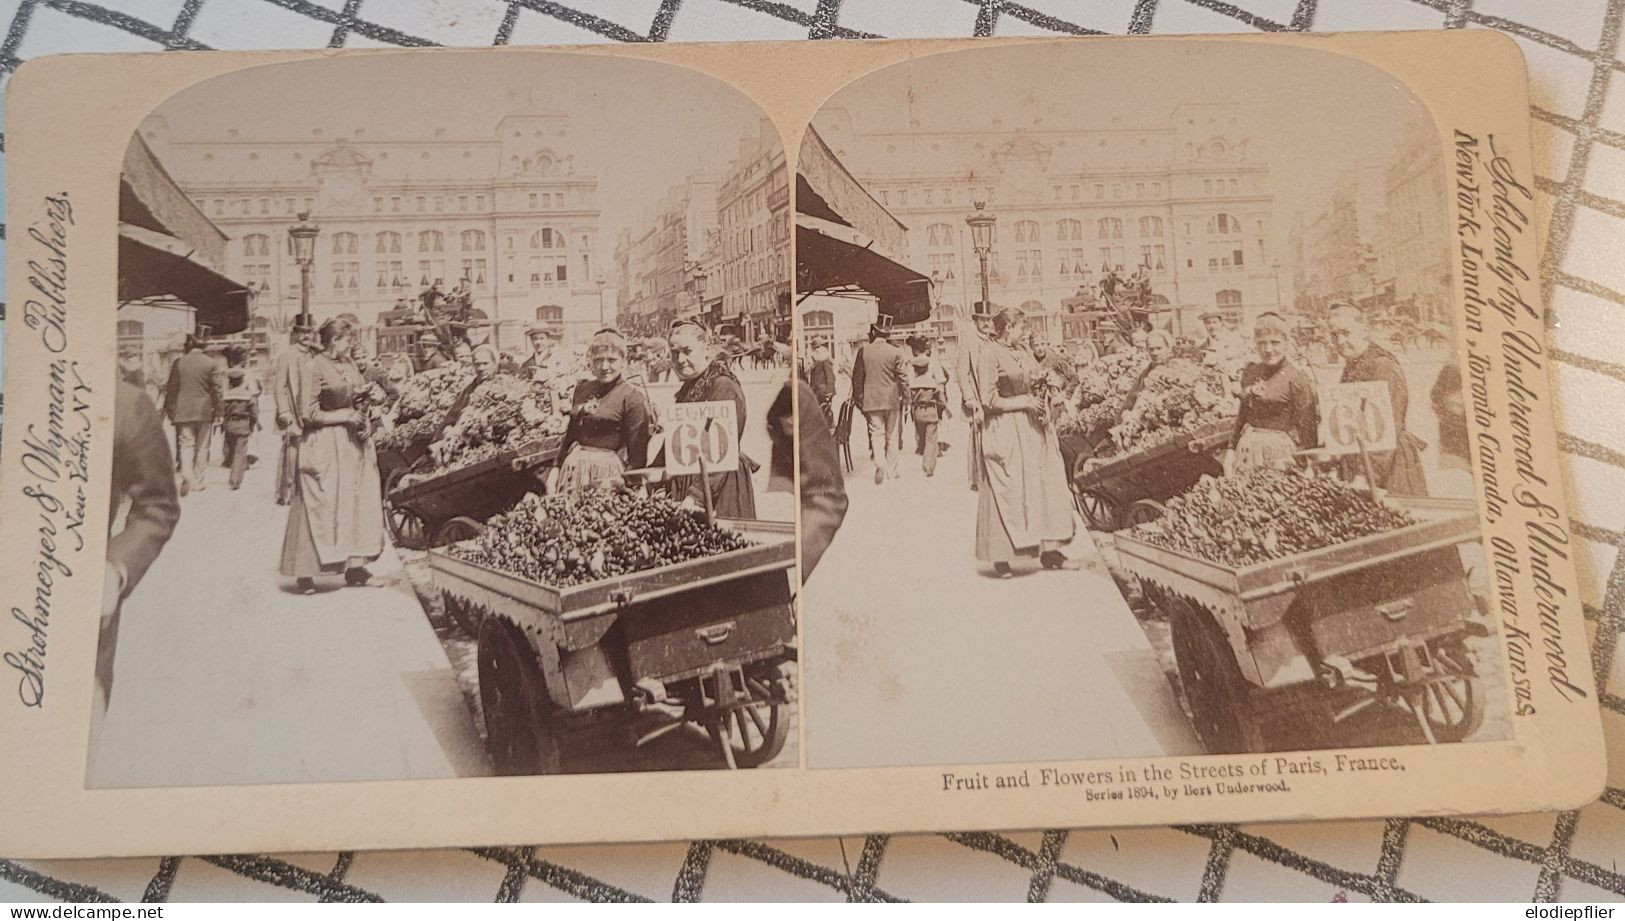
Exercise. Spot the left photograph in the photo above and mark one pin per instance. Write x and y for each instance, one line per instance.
(453, 428)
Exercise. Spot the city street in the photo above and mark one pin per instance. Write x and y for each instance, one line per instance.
(223, 678)
(915, 655)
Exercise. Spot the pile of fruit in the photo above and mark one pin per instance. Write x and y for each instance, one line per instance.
(1179, 396)
(1266, 515)
(1102, 387)
(504, 412)
(574, 538)
(421, 409)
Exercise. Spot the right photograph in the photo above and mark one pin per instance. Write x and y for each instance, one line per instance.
(1130, 416)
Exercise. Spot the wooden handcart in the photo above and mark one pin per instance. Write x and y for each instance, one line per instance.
(449, 506)
(707, 642)
(1283, 654)
(1131, 489)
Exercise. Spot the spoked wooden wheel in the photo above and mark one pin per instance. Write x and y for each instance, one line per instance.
(752, 733)
(518, 728)
(459, 529)
(1219, 697)
(1099, 510)
(406, 527)
(1145, 511)
(1451, 707)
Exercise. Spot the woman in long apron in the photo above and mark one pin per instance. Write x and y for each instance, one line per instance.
(609, 420)
(1024, 510)
(1280, 410)
(707, 378)
(336, 518)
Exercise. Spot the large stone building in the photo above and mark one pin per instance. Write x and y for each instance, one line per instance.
(1418, 231)
(1336, 250)
(1181, 192)
(510, 211)
(753, 210)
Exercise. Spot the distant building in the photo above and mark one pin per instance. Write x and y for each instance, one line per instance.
(753, 210)
(1180, 192)
(661, 254)
(510, 211)
(1337, 251)
(1418, 231)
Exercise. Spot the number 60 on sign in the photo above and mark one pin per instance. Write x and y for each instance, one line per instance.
(1357, 414)
(689, 438)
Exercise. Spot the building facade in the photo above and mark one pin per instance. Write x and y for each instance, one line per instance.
(661, 255)
(1181, 194)
(1418, 232)
(510, 212)
(1337, 251)
(753, 212)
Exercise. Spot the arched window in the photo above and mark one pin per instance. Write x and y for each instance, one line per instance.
(389, 242)
(431, 241)
(550, 312)
(939, 235)
(1150, 226)
(256, 244)
(473, 241)
(1228, 299)
(1223, 224)
(1026, 231)
(1110, 228)
(1068, 230)
(346, 244)
(547, 238)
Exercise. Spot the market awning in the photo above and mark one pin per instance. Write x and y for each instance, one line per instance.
(828, 264)
(847, 242)
(168, 247)
(150, 266)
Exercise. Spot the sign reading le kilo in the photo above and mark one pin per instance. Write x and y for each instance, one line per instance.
(1357, 414)
(707, 429)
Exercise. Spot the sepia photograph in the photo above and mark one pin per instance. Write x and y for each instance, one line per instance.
(452, 433)
(1139, 368)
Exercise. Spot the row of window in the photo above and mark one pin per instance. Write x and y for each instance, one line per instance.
(1103, 191)
(421, 204)
(756, 271)
(345, 276)
(746, 240)
(428, 241)
(1076, 264)
(1106, 228)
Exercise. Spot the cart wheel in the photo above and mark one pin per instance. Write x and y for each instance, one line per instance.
(1452, 705)
(1145, 511)
(518, 730)
(458, 529)
(406, 527)
(1219, 697)
(467, 617)
(753, 733)
(1099, 510)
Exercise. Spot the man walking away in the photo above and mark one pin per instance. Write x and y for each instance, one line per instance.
(241, 417)
(928, 389)
(192, 401)
(879, 380)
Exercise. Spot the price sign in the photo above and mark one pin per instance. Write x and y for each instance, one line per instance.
(1355, 413)
(696, 429)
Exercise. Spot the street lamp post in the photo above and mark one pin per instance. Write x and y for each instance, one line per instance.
(981, 234)
(600, 282)
(1275, 266)
(303, 235)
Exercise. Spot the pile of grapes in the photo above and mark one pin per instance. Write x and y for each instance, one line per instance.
(504, 412)
(1266, 515)
(421, 408)
(1179, 396)
(573, 538)
(1102, 387)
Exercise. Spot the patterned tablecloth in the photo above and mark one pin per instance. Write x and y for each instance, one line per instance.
(1574, 54)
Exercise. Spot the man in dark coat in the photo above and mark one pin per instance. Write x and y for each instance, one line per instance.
(821, 378)
(1398, 471)
(879, 382)
(143, 475)
(970, 368)
(820, 488)
(193, 400)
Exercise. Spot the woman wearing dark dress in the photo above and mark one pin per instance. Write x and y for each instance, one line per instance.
(707, 379)
(336, 519)
(1280, 410)
(609, 420)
